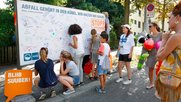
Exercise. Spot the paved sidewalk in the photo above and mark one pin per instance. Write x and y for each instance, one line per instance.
(83, 89)
(89, 85)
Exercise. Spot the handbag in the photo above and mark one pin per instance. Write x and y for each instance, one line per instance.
(106, 63)
(170, 79)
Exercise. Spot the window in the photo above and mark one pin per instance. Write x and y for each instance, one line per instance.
(134, 33)
(135, 22)
(143, 26)
(139, 13)
(139, 24)
(132, 21)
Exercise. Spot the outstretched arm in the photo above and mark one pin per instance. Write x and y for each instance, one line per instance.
(75, 43)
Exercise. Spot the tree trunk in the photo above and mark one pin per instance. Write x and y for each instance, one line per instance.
(146, 23)
(126, 13)
(163, 17)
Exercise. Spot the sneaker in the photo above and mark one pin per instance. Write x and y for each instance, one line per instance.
(43, 95)
(127, 82)
(119, 80)
(103, 91)
(53, 93)
(68, 92)
(98, 90)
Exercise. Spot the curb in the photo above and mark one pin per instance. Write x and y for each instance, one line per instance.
(82, 89)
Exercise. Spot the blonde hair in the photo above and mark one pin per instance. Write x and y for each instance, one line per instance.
(66, 54)
(106, 14)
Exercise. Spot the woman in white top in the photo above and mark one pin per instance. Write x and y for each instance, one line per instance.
(125, 50)
(77, 47)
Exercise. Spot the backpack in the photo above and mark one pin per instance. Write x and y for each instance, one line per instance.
(106, 63)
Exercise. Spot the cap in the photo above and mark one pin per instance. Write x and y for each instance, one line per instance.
(127, 26)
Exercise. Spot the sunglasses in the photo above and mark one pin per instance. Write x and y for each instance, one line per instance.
(150, 26)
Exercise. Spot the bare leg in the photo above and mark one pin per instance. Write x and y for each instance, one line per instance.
(128, 67)
(120, 67)
(101, 78)
(151, 70)
(96, 71)
(93, 69)
(104, 81)
(67, 81)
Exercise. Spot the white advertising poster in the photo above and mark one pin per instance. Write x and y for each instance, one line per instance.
(41, 25)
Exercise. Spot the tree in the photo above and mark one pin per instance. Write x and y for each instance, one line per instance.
(6, 28)
(127, 11)
(163, 8)
(137, 4)
(10, 3)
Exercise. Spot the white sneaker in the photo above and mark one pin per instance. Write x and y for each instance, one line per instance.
(127, 82)
(68, 92)
(53, 93)
(119, 80)
(42, 96)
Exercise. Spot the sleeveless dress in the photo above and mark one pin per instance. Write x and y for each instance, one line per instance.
(169, 94)
(95, 47)
(151, 60)
(80, 50)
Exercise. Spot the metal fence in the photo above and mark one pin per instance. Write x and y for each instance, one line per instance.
(8, 55)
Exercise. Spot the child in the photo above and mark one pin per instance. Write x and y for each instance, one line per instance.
(70, 75)
(102, 54)
(95, 43)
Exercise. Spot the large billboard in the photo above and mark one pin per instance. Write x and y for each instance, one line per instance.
(41, 25)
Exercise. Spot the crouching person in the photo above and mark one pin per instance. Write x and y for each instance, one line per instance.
(69, 76)
(45, 68)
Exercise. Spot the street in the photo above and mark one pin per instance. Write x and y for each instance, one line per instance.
(117, 92)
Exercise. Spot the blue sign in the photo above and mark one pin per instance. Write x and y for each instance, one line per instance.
(35, 56)
(27, 56)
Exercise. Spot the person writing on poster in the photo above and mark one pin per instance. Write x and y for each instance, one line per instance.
(77, 47)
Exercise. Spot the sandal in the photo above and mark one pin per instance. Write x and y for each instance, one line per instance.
(150, 86)
(91, 78)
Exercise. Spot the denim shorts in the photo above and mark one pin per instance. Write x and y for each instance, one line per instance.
(100, 70)
(76, 79)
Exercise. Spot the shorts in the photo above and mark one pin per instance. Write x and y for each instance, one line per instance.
(76, 79)
(100, 70)
(124, 57)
